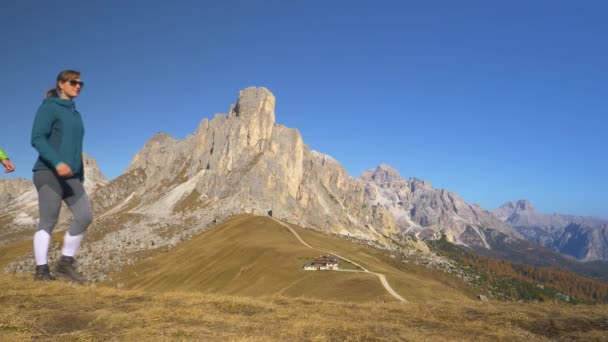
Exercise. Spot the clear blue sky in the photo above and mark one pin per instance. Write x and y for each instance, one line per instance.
(494, 100)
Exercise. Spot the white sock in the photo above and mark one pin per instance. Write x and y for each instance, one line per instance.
(42, 240)
(71, 244)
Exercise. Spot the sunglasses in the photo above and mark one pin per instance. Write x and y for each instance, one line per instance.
(73, 83)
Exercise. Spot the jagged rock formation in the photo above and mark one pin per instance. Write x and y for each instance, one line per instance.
(583, 237)
(238, 162)
(244, 162)
(429, 213)
(94, 178)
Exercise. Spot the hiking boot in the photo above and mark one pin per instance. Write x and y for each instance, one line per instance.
(66, 268)
(43, 273)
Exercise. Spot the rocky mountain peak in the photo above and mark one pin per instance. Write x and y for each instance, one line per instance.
(519, 206)
(255, 103)
(381, 175)
(513, 210)
(160, 138)
(94, 178)
(154, 152)
(419, 184)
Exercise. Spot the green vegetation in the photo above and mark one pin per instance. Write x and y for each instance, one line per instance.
(516, 281)
(527, 253)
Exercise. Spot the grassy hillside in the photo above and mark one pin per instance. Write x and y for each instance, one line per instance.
(415, 283)
(243, 281)
(256, 256)
(64, 312)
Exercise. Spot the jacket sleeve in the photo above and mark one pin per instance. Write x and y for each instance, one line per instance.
(3, 155)
(41, 130)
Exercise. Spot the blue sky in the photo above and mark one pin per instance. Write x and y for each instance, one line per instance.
(494, 100)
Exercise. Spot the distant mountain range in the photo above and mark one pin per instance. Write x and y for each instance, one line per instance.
(582, 237)
(427, 213)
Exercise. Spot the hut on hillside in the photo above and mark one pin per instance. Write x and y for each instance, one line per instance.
(323, 263)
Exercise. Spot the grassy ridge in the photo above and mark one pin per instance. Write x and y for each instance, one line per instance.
(249, 256)
(256, 256)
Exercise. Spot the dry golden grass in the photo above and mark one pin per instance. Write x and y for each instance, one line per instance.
(242, 281)
(17, 249)
(256, 256)
(249, 256)
(61, 311)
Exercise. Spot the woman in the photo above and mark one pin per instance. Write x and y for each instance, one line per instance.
(8, 165)
(57, 135)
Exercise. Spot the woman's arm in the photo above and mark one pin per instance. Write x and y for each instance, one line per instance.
(40, 132)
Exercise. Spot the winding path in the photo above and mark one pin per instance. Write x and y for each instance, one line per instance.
(381, 276)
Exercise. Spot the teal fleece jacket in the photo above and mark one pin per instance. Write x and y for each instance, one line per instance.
(57, 135)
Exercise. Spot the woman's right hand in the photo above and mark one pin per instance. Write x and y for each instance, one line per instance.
(64, 170)
(8, 165)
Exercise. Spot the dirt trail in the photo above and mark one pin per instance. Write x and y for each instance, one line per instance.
(381, 276)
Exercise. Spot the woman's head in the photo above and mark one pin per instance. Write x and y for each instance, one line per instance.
(68, 85)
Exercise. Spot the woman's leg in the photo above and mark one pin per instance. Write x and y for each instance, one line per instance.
(50, 193)
(78, 202)
(49, 205)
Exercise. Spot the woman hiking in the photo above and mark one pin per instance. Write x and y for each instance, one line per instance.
(57, 135)
(8, 165)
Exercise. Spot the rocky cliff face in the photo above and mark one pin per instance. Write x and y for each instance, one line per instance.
(583, 237)
(243, 161)
(94, 178)
(429, 213)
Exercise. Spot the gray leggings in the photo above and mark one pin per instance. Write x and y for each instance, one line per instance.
(51, 191)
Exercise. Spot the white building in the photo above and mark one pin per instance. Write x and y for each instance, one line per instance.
(324, 263)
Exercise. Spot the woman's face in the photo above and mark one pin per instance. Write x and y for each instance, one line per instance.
(71, 88)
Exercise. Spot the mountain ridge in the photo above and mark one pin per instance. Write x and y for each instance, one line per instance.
(582, 237)
(428, 213)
